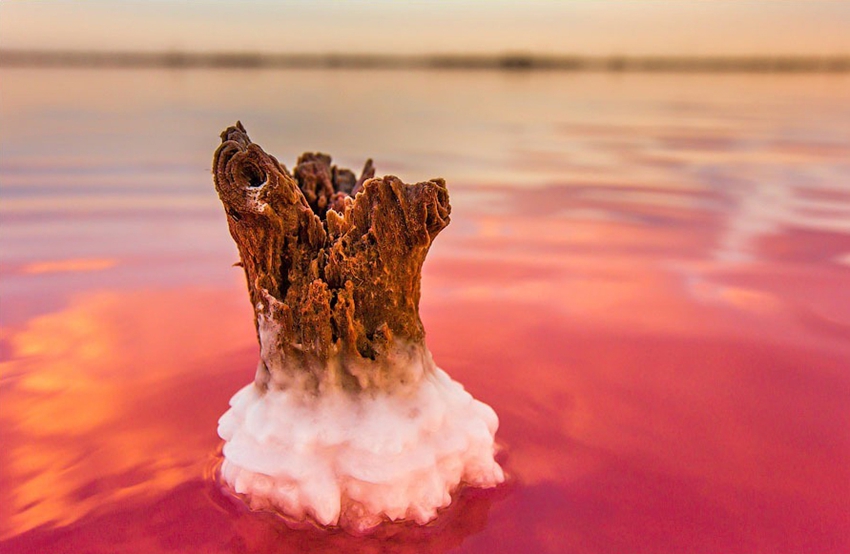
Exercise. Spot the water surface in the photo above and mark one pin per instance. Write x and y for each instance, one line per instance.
(645, 275)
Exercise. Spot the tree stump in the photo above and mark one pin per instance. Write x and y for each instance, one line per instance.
(333, 265)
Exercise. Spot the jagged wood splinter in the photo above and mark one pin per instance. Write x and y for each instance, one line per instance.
(333, 266)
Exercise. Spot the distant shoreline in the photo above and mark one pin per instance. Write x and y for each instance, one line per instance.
(506, 62)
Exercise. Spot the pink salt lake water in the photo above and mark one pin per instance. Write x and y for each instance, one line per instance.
(647, 276)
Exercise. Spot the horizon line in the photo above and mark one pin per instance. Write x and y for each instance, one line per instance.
(505, 61)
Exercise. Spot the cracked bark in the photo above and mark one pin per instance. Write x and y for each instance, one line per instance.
(333, 265)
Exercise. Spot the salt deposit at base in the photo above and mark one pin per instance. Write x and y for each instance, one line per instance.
(356, 460)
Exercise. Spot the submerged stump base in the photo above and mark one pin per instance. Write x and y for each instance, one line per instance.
(348, 421)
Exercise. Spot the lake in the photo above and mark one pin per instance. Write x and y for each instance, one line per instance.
(646, 275)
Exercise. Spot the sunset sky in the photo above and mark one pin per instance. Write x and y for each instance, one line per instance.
(602, 27)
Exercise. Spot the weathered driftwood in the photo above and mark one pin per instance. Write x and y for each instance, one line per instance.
(333, 266)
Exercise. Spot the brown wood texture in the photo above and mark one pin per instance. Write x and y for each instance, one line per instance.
(333, 264)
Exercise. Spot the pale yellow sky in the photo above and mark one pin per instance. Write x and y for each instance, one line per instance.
(598, 27)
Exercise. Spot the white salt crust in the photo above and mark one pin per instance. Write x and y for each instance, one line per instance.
(357, 460)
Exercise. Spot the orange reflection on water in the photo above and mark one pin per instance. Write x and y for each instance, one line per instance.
(96, 398)
(72, 265)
